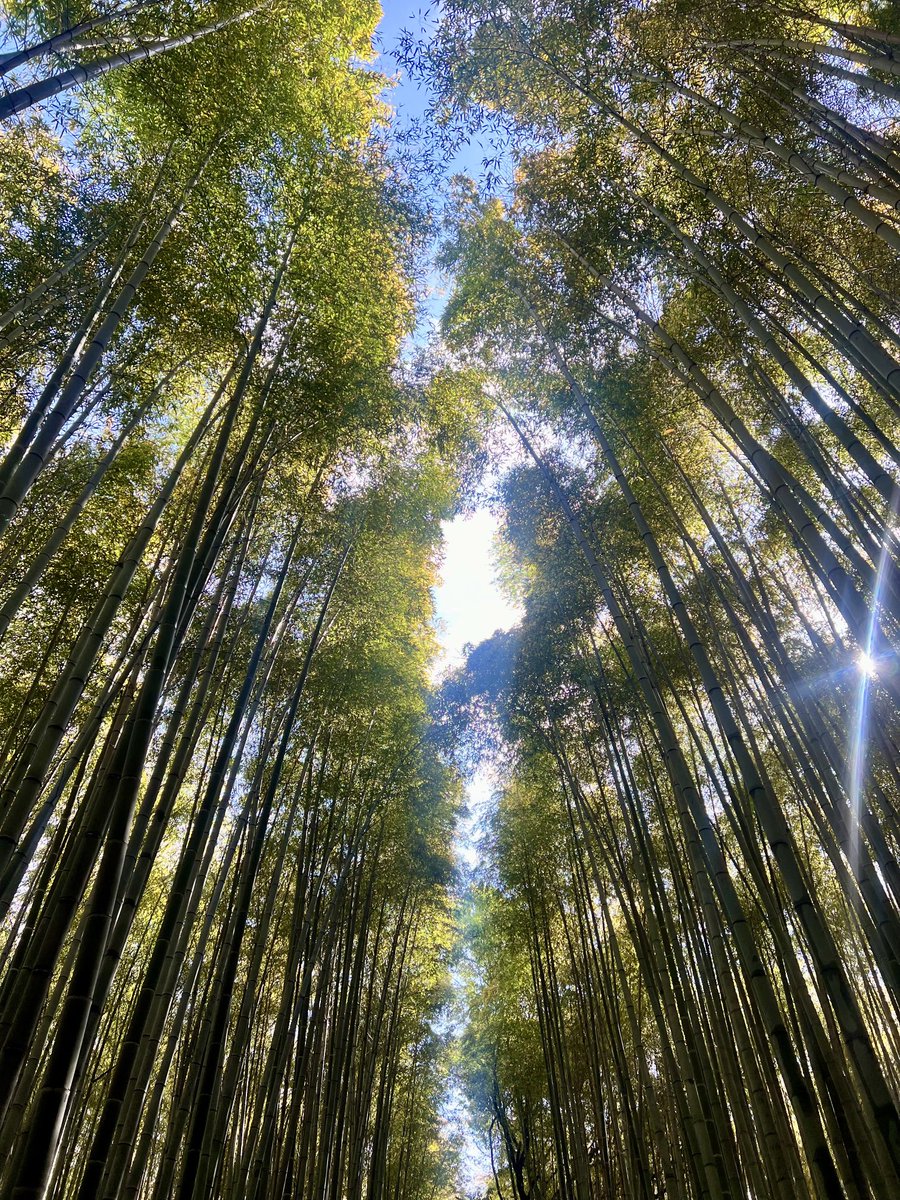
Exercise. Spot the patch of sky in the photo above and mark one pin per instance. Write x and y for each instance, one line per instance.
(469, 606)
(430, 152)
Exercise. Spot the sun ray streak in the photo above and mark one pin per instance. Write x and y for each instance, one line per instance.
(867, 664)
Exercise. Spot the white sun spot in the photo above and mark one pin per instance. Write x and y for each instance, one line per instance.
(866, 664)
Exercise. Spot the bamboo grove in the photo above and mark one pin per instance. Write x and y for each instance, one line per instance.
(225, 830)
(685, 973)
(232, 926)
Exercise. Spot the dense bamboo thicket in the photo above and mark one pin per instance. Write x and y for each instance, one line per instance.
(230, 917)
(686, 309)
(224, 845)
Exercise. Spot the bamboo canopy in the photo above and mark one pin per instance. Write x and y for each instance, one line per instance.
(244, 950)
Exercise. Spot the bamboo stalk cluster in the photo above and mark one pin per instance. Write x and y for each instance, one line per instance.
(686, 311)
(223, 831)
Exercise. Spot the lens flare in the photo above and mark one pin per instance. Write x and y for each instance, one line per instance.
(866, 664)
(867, 667)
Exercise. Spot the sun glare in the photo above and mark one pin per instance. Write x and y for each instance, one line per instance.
(866, 664)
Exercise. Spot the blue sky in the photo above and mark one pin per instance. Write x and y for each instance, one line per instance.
(410, 98)
(401, 15)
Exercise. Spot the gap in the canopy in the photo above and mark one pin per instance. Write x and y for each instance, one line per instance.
(470, 605)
